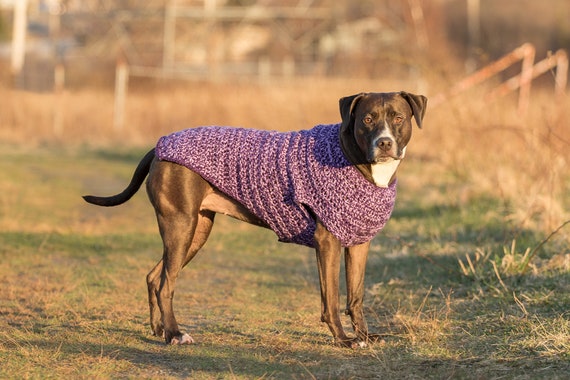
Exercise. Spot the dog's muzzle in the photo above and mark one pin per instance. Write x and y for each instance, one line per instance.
(385, 149)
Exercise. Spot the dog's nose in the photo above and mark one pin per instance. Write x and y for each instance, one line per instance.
(384, 143)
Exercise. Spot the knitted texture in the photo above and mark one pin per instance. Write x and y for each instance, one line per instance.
(282, 178)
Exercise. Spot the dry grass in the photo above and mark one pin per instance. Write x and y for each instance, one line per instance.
(155, 109)
(481, 189)
(520, 159)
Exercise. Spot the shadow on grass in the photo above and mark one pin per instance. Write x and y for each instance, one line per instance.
(485, 334)
(255, 360)
(211, 360)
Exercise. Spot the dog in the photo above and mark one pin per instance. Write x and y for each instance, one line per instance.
(329, 187)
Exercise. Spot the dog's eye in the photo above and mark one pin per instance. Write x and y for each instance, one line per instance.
(398, 119)
(367, 119)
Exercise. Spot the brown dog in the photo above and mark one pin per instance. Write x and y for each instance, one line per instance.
(373, 135)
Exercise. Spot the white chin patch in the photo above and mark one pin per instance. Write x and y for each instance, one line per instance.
(383, 172)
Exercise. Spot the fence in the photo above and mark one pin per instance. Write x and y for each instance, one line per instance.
(522, 81)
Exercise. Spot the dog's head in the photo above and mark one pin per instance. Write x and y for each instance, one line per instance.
(377, 127)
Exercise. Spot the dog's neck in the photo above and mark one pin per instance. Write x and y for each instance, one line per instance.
(384, 173)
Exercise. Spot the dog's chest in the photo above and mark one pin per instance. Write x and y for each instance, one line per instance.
(382, 173)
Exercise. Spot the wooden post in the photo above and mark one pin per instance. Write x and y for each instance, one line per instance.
(561, 79)
(560, 61)
(19, 36)
(58, 89)
(523, 52)
(526, 78)
(169, 36)
(474, 32)
(121, 83)
(419, 24)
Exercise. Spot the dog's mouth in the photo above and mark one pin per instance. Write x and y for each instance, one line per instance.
(386, 157)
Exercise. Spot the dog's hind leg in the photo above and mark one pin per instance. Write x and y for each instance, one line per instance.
(202, 231)
(153, 284)
(177, 239)
(176, 194)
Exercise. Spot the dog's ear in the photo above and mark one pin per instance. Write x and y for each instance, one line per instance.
(347, 105)
(418, 104)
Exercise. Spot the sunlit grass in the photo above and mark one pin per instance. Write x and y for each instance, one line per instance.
(468, 279)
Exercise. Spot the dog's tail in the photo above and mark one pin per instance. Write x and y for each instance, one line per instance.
(138, 178)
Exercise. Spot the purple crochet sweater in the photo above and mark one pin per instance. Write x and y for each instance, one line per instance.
(279, 177)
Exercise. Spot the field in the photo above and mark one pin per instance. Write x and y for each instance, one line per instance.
(470, 279)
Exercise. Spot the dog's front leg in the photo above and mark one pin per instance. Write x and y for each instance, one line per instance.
(328, 249)
(355, 261)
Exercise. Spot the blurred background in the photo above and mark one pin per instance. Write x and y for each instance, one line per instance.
(413, 40)
(121, 73)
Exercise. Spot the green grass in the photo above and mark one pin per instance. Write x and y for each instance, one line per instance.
(444, 283)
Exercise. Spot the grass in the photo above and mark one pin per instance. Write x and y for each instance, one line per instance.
(468, 280)
(74, 301)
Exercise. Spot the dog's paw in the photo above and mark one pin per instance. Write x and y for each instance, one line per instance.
(361, 342)
(353, 343)
(182, 339)
(357, 344)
